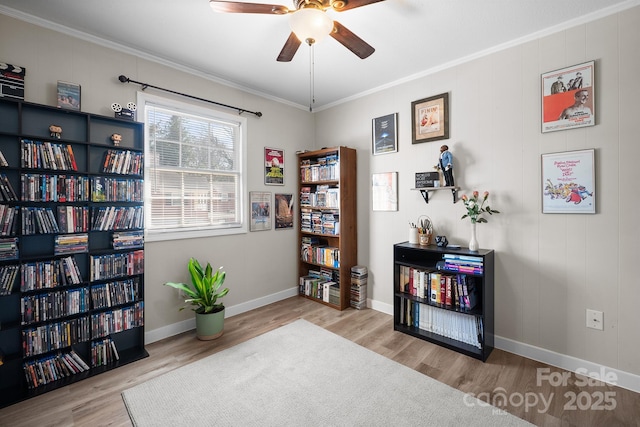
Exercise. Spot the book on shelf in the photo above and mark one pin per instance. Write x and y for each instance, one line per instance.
(124, 162)
(38, 221)
(8, 274)
(127, 240)
(7, 192)
(3, 160)
(49, 274)
(117, 218)
(8, 248)
(45, 370)
(53, 305)
(73, 219)
(54, 188)
(104, 295)
(103, 267)
(47, 155)
(53, 336)
(108, 189)
(113, 321)
(71, 243)
(8, 220)
(103, 352)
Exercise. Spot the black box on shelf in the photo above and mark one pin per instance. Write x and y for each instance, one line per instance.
(427, 179)
(11, 81)
(125, 113)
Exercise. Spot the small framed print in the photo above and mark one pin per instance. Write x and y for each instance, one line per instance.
(260, 202)
(273, 166)
(385, 134)
(384, 188)
(568, 182)
(69, 96)
(430, 119)
(284, 211)
(568, 98)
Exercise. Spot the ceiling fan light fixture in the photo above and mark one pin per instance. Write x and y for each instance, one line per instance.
(310, 24)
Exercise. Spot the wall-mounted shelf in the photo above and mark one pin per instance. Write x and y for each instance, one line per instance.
(425, 192)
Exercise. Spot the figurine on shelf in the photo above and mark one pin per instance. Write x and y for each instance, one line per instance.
(55, 131)
(446, 165)
(116, 138)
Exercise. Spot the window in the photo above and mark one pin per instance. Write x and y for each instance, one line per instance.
(194, 170)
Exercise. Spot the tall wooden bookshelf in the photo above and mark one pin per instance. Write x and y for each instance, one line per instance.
(438, 318)
(327, 233)
(71, 250)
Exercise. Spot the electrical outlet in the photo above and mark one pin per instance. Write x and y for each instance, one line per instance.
(595, 319)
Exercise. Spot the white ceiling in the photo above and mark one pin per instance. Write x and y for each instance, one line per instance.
(411, 38)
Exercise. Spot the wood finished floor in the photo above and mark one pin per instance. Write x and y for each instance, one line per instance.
(97, 401)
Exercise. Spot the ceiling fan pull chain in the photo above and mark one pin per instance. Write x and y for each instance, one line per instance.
(312, 89)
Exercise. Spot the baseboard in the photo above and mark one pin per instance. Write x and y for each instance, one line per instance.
(573, 364)
(190, 324)
(609, 375)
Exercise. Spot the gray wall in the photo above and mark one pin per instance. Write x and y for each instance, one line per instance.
(550, 268)
(261, 266)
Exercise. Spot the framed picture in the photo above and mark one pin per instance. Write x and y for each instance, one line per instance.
(260, 202)
(69, 96)
(273, 166)
(568, 98)
(568, 182)
(430, 119)
(385, 191)
(385, 134)
(284, 211)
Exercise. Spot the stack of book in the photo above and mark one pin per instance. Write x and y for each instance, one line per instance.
(8, 248)
(71, 243)
(128, 239)
(359, 276)
(467, 264)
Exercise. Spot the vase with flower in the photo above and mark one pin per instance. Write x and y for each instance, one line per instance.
(475, 207)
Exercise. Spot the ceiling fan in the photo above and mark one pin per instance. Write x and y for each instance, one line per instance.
(309, 22)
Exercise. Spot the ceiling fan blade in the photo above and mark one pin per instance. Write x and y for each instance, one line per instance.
(289, 49)
(239, 7)
(352, 4)
(349, 40)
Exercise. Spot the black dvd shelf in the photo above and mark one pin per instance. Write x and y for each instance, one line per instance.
(52, 330)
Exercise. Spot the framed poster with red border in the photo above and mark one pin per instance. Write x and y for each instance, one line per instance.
(568, 98)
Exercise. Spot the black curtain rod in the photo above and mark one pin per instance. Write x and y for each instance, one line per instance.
(125, 79)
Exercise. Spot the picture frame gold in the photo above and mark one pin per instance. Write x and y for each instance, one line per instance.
(430, 119)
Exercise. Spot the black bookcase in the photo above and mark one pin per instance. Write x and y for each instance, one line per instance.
(466, 330)
(71, 250)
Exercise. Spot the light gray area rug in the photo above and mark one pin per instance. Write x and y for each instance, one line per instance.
(303, 375)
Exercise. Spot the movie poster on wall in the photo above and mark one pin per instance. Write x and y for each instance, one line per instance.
(274, 166)
(568, 98)
(568, 182)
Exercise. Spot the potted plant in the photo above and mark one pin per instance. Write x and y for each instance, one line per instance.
(204, 293)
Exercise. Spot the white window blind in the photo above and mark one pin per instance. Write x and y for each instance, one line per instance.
(194, 169)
